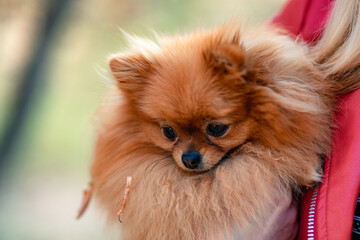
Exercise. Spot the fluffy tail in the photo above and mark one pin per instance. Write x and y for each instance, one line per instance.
(338, 51)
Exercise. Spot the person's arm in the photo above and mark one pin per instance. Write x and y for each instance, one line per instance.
(304, 19)
(283, 224)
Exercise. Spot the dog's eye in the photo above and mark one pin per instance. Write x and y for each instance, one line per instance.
(169, 133)
(216, 129)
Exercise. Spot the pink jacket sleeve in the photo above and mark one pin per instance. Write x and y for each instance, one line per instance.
(304, 18)
(327, 212)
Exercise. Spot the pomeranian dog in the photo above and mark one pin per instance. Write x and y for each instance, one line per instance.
(214, 126)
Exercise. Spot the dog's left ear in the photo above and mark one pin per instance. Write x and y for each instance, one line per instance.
(227, 60)
(130, 71)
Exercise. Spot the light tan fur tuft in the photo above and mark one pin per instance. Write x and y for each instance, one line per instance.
(338, 52)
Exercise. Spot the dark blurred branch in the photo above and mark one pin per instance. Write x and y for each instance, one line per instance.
(31, 79)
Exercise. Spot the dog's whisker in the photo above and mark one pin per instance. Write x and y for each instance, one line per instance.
(163, 152)
(154, 163)
(166, 165)
(157, 163)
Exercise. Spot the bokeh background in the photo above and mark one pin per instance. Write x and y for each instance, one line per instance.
(62, 46)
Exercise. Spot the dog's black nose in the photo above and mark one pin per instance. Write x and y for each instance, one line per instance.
(191, 159)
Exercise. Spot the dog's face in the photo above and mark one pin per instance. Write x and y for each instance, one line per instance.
(201, 98)
(191, 109)
(197, 109)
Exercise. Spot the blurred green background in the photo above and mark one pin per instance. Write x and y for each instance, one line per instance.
(41, 187)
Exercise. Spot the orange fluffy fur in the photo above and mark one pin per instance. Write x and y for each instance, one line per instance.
(275, 99)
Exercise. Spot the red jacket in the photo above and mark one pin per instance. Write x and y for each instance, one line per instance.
(327, 212)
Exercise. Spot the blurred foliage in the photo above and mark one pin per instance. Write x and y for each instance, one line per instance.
(51, 163)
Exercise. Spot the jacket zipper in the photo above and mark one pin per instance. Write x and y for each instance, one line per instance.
(311, 216)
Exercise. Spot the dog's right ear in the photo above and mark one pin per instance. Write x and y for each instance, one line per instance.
(130, 71)
(228, 62)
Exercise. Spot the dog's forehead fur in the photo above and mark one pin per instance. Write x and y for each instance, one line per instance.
(216, 73)
(184, 89)
(183, 85)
